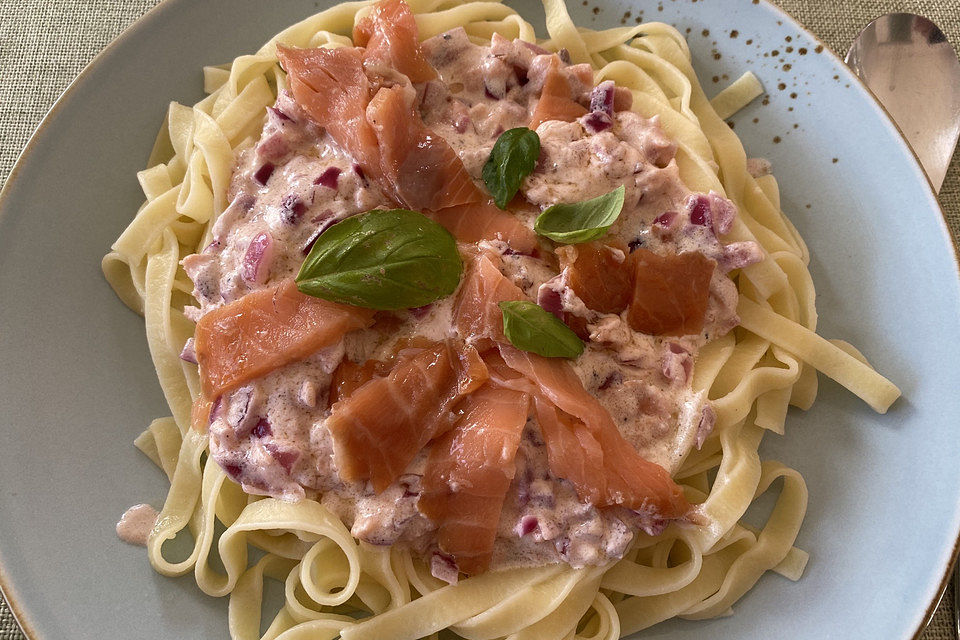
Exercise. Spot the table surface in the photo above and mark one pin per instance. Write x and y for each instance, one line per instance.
(45, 43)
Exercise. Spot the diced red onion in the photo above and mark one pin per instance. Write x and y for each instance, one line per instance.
(285, 457)
(357, 169)
(597, 121)
(239, 415)
(189, 352)
(699, 208)
(527, 525)
(738, 255)
(666, 219)
(263, 173)
(443, 567)
(329, 178)
(292, 209)
(708, 419)
(273, 147)
(262, 429)
(549, 299)
(602, 97)
(215, 408)
(461, 123)
(724, 213)
(279, 114)
(232, 470)
(256, 261)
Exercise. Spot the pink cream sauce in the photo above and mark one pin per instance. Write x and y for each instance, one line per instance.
(270, 435)
(136, 523)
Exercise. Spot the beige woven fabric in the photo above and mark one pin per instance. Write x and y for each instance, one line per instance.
(45, 43)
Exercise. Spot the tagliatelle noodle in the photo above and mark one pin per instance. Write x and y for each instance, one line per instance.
(336, 586)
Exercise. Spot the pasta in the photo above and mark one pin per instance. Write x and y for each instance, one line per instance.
(335, 586)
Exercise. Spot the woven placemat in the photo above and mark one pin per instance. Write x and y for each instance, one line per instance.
(45, 43)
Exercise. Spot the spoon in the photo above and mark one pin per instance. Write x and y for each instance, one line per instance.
(912, 70)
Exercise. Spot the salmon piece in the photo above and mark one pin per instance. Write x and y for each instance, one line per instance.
(468, 473)
(423, 172)
(474, 222)
(265, 330)
(389, 34)
(475, 312)
(379, 428)
(600, 274)
(332, 87)
(573, 452)
(200, 414)
(628, 479)
(670, 292)
(555, 101)
(350, 376)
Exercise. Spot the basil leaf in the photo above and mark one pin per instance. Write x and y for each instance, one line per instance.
(513, 158)
(581, 221)
(394, 259)
(531, 328)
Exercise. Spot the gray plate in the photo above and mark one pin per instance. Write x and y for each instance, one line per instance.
(76, 384)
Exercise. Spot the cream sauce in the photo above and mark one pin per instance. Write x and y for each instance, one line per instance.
(270, 435)
(136, 523)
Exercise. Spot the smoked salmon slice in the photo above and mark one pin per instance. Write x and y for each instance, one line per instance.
(555, 101)
(381, 130)
(266, 330)
(670, 293)
(478, 221)
(379, 428)
(601, 275)
(422, 170)
(475, 312)
(663, 294)
(468, 473)
(628, 479)
(389, 34)
(573, 452)
(332, 87)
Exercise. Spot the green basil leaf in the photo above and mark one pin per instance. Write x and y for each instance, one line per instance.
(513, 158)
(394, 259)
(581, 221)
(531, 328)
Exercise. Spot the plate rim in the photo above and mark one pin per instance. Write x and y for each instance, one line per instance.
(7, 589)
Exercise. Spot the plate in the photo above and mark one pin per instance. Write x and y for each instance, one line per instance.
(76, 383)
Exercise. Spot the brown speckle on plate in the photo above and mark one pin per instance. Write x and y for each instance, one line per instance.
(793, 95)
(781, 86)
(776, 139)
(705, 33)
(802, 51)
(819, 49)
(835, 160)
(734, 33)
(787, 67)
